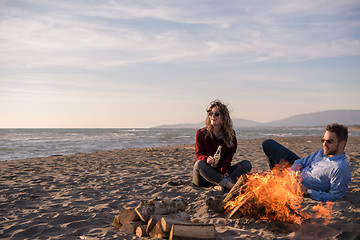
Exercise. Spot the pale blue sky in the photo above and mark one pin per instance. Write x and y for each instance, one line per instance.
(145, 63)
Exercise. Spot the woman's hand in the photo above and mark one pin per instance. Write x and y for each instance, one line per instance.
(210, 160)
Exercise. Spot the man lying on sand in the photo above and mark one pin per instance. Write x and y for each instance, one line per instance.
(325, 173)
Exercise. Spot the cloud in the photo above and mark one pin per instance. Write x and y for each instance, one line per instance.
(109, 34)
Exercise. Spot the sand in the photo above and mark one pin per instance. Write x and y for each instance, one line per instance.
(78, 196)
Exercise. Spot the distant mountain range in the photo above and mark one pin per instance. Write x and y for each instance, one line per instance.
(346, 117)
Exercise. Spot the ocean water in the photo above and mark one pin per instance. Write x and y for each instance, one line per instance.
(30, 143)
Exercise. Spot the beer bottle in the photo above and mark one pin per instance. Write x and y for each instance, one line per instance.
(217, 157)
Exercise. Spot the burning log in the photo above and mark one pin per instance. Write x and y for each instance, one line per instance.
(235, 189)
(217, 205)
(235, 212)
(158, 207)
(275, 196)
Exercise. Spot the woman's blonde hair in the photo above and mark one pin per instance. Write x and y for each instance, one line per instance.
(227, 124)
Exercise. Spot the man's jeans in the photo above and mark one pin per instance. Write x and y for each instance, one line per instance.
(277, 152)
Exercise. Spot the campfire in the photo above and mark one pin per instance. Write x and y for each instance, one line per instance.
(275, 196)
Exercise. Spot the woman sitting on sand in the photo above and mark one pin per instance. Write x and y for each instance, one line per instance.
(218, 131)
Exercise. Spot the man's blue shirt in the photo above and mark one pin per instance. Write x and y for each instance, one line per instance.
(327, 177)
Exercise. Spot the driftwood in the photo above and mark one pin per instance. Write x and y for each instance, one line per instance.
(193, 231)
(159, 207)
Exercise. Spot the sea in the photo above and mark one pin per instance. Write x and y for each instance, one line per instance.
(32, 143)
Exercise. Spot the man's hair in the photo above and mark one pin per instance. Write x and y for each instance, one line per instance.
(340, 130)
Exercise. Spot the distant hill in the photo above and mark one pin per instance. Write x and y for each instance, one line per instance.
(236, 121)
(182, 125)
(239, 122)
(346, 117)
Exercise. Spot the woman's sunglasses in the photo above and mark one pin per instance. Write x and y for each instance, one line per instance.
(214, 113)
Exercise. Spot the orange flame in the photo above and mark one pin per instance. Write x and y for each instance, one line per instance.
(275, 196)
(323, 211)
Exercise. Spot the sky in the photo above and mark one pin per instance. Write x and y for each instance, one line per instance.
(139, 64)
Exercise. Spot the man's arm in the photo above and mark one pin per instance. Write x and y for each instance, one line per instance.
(339, 185)
(304, 162)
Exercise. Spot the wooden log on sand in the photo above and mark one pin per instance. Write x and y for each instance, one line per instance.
(154, 219)
(130, 227)
(125, 216)
(117, 223)
(193, 231)
(159, 207)
(166, 223)
(141, 231)
(157, 232)
(128, 215)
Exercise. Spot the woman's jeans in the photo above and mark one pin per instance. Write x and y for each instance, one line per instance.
(205, 176)
(277, 153)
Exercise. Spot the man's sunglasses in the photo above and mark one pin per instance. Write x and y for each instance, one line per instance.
(329, 141)
(214, 113)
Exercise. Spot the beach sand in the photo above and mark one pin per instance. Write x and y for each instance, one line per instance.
(78, 196)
